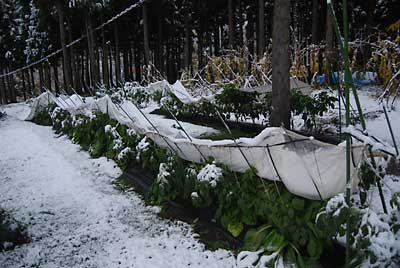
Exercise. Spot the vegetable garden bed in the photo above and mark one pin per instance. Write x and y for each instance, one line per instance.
(243, 204)
(274, 224)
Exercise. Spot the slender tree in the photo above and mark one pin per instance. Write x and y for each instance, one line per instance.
(329, 38)
(231, 23)
(261, 28)
(315, 11)
(145, 35)
(117, 54)
(66, 57)
(280, 114)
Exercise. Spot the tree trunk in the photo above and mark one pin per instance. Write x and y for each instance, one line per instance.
(216, 38)
(125, 62)
(261, 28)
(4, 86)
(32, 72)
(138, 71)
(66, 56)
(3, 99)
(41, 79)
(134, 61)
(231, 24)
(98, 61)
(146, 35)
(249, 42)
(117, 55)
(94, 78)
(87, 69)
(23, 84)
(329, 49)
(13, 89)
(72, 63)
(46, 76)
(56, 83)
(315, 33)
(188, 41)
(160, 43)
(83, 68)
(106, 73)
(110, 62)
(280, 114)
(371, 6)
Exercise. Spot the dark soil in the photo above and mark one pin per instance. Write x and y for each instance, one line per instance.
(12, 233)
(393, 167)
(211, 234)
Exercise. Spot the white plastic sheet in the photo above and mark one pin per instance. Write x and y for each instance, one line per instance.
(307, 167)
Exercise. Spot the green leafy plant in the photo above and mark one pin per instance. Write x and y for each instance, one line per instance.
(311, 107)
(242, 104)
(244, 204)
(374, 236)
(43, 117)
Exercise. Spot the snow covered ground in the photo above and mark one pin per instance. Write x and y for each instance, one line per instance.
(75, 216)
(375, 117)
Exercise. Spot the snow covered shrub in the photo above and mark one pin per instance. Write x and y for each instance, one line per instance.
(188, 184)
(170, 183)
(125, 158)
(116, 144)
(210, 174)
(375, 237)
(150, 155)
(58, 116)
(128, 156)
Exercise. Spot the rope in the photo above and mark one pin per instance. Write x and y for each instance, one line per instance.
(130, 8)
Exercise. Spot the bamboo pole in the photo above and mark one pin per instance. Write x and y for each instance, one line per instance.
(390, 129)
(348, 137)
(343, 43)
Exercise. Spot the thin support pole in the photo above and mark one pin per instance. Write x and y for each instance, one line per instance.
(347, 78)
(230, 132)
(344, 46)
(158, 132)
(390, 129)
(187, 135)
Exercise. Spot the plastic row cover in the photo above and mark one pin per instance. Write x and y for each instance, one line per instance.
(307, 167)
